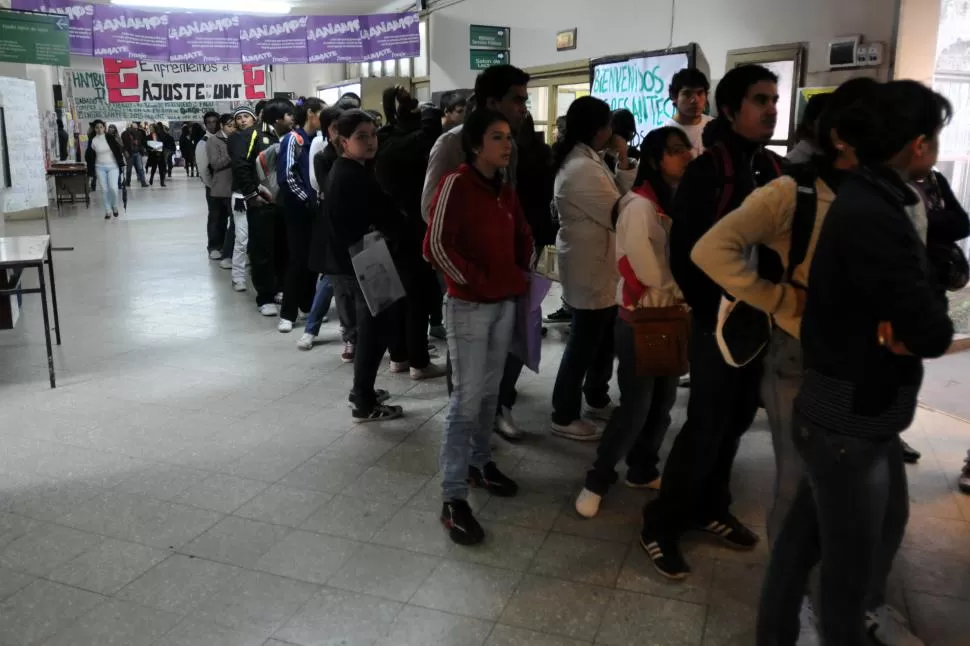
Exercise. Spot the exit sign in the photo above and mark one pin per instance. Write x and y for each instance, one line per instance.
(490, 37)
(482, 59)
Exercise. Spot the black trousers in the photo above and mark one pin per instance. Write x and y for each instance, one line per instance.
(299, 285)
(374, 335)
(587, 365)
(267, 251)
(697, 476)
(156, 162)
(416, 277)
(217, 222)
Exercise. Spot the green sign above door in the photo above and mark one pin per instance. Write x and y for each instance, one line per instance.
(482, 59)
(492, 37)
(34, 38)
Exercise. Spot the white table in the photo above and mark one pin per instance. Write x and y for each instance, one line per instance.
(24, 252)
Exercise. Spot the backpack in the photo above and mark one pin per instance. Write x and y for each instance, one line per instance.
(724, 166)
(265, 163)
(744, 331)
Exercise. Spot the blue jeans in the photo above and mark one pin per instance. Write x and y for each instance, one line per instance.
(136, 160)
(321, 305)
(108, 179)
(479, 335)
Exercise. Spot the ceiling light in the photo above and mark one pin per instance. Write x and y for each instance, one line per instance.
(268, 7)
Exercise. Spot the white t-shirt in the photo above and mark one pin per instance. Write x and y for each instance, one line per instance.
(316, 146)
(103, 151)
(694, 133)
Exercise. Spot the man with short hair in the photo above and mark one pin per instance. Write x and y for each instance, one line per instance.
(219, 195)
(688, 91)
(454, 110)
(216, 229)
(133, 140)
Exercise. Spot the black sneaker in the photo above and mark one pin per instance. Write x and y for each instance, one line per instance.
(562, 315)
(462, 527)
(910, 455)
(665, 556)
(493, 481)
(380, 413)
(731, 532)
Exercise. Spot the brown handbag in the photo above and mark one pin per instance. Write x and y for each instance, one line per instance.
(660, 339)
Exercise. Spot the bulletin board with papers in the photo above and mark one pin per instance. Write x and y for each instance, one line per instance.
(23, 166)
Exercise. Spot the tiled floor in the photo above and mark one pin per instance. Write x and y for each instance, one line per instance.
(195, 480)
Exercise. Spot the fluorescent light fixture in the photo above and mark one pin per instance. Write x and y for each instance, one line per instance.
(268, 7)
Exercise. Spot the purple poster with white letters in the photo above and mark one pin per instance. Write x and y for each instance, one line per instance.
(130, 34)
(203, 38)
(334, 39)
(273, 39)
(80, 14)
(390, 35)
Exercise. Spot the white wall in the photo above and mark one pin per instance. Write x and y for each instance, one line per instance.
(620, 26)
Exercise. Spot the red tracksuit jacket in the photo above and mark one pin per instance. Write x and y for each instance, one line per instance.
(479, 238)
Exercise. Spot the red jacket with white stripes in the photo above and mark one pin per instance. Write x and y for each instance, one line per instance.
(479, 238)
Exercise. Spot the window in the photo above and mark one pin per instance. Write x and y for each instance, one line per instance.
(390, 68)
(404, 66)
(421, 62)
(375, 69)
(539, 107)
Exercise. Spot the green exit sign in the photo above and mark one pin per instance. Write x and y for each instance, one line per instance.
(482, 59)
(491, 37)
(34, 38)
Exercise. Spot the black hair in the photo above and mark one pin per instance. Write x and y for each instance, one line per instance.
(652, 152)
(350, 120)
(690, 77)
(276, 109)
(185, 128)
(208, 115)
(813, 110)
(327, 117)
(226, 118)
(899, 112)
(347, 103)
(454, 102)
(585, 117)
(60, 124)
(260, 106)
(96, 122)
(855, 93)
(197, 132)
(348, 97)
(624, 124)
(496, 81)
(302, 110)
(389, 102)
(473, 132)
(730, 94)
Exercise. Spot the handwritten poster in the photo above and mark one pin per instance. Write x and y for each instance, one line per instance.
(24, 146)
(640, 86)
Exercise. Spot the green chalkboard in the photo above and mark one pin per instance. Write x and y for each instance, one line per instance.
(34, 38)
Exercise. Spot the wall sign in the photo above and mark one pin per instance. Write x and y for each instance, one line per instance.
(490, 37)
(482, 59)
(566, 40)
(34, 38)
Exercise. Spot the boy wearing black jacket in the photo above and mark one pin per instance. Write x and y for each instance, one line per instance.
(695, 491)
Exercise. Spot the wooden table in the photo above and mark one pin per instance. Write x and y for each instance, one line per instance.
(24, 252)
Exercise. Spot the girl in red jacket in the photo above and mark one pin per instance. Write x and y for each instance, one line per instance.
(479, 239)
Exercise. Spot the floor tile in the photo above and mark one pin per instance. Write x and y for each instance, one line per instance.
(162, 481)
(557, 607)
(40, 610)
(419, 459)
(637, 618)
(505, 546)
(639, 575)
(510, 511)
(193, 632)
(467, 589)
(384, 572)
(939, 621)
(280, 505)
(237, 541)
(308, 557)
(354, 518)
(109, 566)
(178, 584)
(116, 623)
(584, 560)
(423, 627)
(509, 636)
(324, 475)
(416, 530)
(12, 582)
(730, 624)
(222, 493)
(387, 486)
(45, 547)
(337, 618)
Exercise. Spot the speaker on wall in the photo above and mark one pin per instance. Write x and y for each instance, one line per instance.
(423, 4)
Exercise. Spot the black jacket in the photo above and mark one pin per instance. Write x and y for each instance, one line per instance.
(695, 211)
(187, 147)
(355, 204)
(869, 266)
(90, 157)
(243, 150)
(322, 235)
(534, 185)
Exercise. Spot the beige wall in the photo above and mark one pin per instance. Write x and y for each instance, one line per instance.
(919, 23)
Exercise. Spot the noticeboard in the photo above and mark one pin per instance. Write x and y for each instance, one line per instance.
(489, 37)
(35, 38)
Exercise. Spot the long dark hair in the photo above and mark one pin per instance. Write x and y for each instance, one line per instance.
(586, 116)
(652, 152)
(857, 93)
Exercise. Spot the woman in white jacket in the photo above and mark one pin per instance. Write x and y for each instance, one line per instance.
(586, 195)
(638, 426)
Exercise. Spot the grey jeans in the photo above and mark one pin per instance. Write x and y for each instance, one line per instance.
(344, 288)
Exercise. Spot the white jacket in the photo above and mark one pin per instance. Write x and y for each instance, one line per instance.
(202, 161)
(643, 256)
(585, 193)
(316, 146)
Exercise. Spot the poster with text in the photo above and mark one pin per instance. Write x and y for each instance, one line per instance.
(640, 86)
(129, 33)
(390, 35)
(333, 39)
(202, 38)
(80, 14)
(268, 39)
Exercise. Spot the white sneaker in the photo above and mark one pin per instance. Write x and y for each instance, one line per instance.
(398, 367)
(306, 341)
(579, 430)
(808, 625)
(269, 309)
(588, 503)
(278, 299)
(285, 326)
(505, 425)
(601, 414)
(888, 626)
(215, 254)
(239, 287)
(432, 371)
(301, 316)
(225, 263)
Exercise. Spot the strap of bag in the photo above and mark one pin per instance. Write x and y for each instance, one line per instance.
(803, 222)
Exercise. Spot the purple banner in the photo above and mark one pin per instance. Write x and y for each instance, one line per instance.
(333, 39)
(197, 38)
(130, 34)
(390, 35)
(80, 14)
(266, 39)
